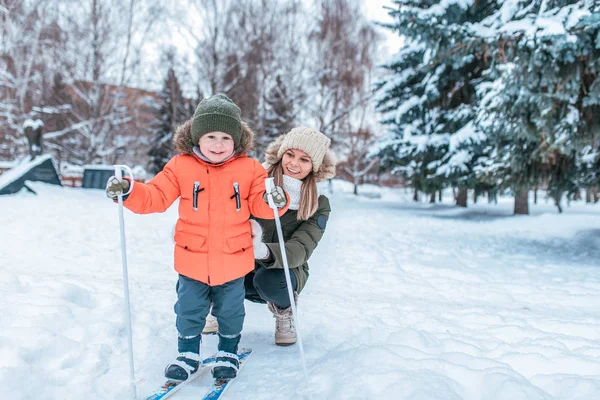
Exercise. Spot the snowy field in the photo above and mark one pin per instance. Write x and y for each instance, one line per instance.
(405, 301)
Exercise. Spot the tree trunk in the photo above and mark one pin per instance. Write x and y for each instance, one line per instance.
(432, 198)
(355, 189)
(595, 195)
(461, 198)
(440, 196)
(588, 195)
(416, 195)
(474, 196)
(521, 201)
(535, 196)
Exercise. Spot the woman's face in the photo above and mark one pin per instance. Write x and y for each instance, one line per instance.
(216, 146)
(296, 163)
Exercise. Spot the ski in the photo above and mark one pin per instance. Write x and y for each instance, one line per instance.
(218, 388)
(171, 386)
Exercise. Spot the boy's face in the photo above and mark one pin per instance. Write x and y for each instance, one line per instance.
(216, 146)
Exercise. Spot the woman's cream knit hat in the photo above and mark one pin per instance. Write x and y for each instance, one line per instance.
(309, 140)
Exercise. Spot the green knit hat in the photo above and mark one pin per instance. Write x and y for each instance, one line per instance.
(217, 113)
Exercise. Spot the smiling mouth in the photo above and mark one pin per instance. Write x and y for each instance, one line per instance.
(292, 171)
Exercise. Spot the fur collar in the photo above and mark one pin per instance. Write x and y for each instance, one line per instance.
(326, 171)
(183, 139)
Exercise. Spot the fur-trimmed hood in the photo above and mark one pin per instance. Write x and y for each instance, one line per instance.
(184, 143)
(326, 170)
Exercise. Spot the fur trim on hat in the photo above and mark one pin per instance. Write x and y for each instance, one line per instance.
(184, 143)
(326, 170)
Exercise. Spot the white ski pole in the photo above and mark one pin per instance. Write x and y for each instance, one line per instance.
(119, 175)
(269, 185)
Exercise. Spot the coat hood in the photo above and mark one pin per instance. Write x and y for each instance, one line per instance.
(325, 171)
(185, 145)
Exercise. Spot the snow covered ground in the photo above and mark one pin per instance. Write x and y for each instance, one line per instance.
(405, 301)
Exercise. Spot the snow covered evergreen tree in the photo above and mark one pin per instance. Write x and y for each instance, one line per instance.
(171, 112)
(539, 110)
(429, 102)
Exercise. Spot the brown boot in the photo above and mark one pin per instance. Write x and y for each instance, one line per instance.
(212, 326)
(285, 331)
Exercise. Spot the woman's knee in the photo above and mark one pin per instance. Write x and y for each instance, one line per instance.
(269, 282)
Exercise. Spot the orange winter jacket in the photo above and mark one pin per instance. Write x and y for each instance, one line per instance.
(212, 236)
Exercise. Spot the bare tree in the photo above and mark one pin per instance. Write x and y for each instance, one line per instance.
(30, 44)
(345, 45)
(358, 161)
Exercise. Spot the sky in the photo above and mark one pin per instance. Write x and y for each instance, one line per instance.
(377, 13)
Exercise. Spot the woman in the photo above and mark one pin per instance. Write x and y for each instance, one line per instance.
(297, 160)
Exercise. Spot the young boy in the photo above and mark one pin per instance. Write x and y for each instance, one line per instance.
(219, 187)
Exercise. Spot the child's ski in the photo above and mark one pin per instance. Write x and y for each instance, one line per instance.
(218, 388)
(171, 386)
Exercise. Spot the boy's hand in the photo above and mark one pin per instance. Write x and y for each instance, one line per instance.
(116, 187)
(278, 197)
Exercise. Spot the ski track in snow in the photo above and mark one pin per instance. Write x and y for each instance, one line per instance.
(405, 301)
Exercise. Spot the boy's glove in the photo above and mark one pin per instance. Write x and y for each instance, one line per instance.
(261, 251)
(116, 187)
(278, 197)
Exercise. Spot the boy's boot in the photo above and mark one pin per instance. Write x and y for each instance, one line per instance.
(285, 331)
(188, 360)
(228, 362)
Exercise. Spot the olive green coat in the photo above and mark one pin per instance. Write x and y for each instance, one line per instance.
(301, 238)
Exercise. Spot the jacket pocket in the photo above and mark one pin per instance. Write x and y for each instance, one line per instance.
(238, 243)
(191, 242)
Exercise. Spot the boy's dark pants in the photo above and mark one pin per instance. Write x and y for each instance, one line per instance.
(193, 305)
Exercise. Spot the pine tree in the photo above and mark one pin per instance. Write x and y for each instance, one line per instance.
(429, 102)
(170, 112)
(538, 112)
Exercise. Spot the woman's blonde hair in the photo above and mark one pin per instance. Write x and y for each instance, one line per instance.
(309, 195)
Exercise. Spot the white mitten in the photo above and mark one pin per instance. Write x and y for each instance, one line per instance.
(261, 251)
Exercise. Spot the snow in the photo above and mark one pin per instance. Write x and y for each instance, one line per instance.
(7, 164)
(405, 300)
(408, 105)
(99, 167)
(71, 170)
(34, 124)
(442, 6)
(589, 158)
(19, 170)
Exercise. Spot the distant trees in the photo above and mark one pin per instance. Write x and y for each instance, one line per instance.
(88, 72)
(170, 112)
(66, 65)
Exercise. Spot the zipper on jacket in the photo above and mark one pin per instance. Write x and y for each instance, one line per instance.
(236, 194)
(197, 189)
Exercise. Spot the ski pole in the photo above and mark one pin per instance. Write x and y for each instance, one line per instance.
(119, 175)
(269, 185)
